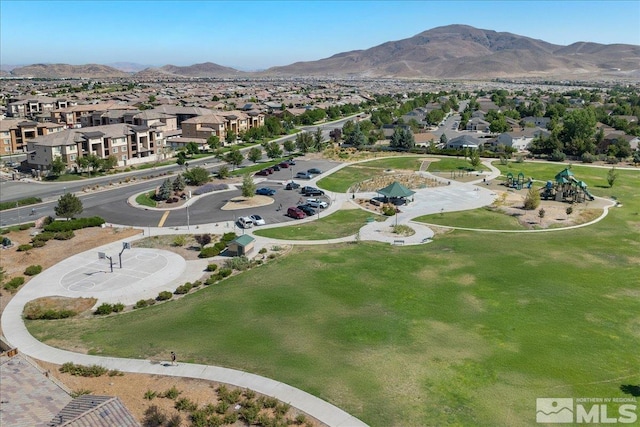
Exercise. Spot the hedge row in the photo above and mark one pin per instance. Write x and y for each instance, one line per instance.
(75, 224)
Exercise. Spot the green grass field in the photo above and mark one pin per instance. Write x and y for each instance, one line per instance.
(145, 199)
(467, 330)
(482, 218)
(446, 164)
(339, 224)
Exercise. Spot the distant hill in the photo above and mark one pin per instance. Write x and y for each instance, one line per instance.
(128, 67)
(67, 71)
(450, 52)
(461, 51)
(207, 69)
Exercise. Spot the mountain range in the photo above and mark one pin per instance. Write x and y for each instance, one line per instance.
(449, 52)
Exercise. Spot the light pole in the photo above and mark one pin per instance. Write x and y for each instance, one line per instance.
(187, 217)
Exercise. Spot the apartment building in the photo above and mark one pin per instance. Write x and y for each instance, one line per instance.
(82, 115)
(221, 122)
(131, 144)
(37, 105)
(15, 133)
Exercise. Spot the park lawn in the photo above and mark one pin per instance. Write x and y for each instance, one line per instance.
(341, 180)
(447, 164)
(339, 224)
(467, 330)
(482, 218)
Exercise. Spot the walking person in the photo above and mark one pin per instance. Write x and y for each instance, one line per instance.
(173, 359)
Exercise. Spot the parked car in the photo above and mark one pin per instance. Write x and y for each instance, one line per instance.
(311, 191)
(296, 213)
(245, 222)
(262, 172)
(292, 185)
(257, 220)
(317, 203)
(275, 167)
(308, 210)
(304, 175)
(265, 191)
(314, 171)
(284, 165)
(291, 162)
(269, 170)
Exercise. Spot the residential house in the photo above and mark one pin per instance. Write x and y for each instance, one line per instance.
(463, 141)
(478, 125)
(82, 115)
(519, 140)
(540, 122)
(130, 144)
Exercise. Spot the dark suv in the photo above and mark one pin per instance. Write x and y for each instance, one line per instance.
(311, 191)
(307, 210)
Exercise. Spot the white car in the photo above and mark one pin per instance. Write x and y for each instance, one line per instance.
(317, 203)
(245, 222)
(257, 220)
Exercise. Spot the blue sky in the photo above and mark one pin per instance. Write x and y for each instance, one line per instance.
(251, 35)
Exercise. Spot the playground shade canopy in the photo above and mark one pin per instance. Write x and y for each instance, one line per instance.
(396, 190)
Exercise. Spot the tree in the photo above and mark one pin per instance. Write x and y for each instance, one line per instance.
(83, 163)
(254, 154)
(192, 148)
(196, 176)
(178, 183)
(318, 140)
(356, 138)
(223, 171)
(532, 200)
(214, 142)
(273, 150)
(234, 157)
(248, 186)
(110, 162)
(203, 239)
(304, 141)
(94, 162)
(68, 206)
(474, 158)
(612, 175)
(541, 213)
(289, 146)
(58, 166)
(444, 139)
(402, 139)
(231, 137)
(636, 156)
(164, 192)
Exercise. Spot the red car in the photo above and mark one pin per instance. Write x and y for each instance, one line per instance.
(284, 165)
(296, 213)
(263, 172)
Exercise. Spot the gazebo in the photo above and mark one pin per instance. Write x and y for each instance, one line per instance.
(396, 190)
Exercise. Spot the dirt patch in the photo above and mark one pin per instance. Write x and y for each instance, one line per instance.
(131, 389)
(57, 303)
(408, 179)
(241, 202)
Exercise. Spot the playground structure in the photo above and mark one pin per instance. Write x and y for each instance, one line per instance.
(517, 182)
(566, 189)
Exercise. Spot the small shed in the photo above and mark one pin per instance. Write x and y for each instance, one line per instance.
(241, 245)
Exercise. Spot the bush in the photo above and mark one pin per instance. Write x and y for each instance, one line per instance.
(14, 283)
(183, 289)
(179, 241)
(569, 210)
(225, 272)
(239, 263)
(164, 295)
(389, 210)
(172, 393)
(24, 248)
(45, 236)
(262, 251)
(38, 243)
(25, 226)
(588, 158)
(75, 224)
(117, 307)
(209, 252)
(212, 279)
(150, 395)
(32, 270)
(228, 237)
(64, 235)
(220, 246)
(49, 314)
(103, 309)
(532, 200)
(184, 404)
(82, 370)
(557, 156)
(212, 267)
(154, 416)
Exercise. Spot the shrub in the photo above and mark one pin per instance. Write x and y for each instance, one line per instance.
(225, 272)
(103, 309)
(150, 395)
(196, 284)
(228, 237)
(45, 236)
(64, 235)
(569, 210)
(220, 246)
(209, 252)
(212, 267)
(262, 251)
(117, 307)
(164, 295)
(172, 393)
(174, 421)
(389, 210)
(32, 270)
(75, 224)
(588, 158)
(24, 248)
(82, 370)
(183, 289)
(532, 200)
(184, 404)
(239, 263)
(249, 394)
(49, 314)
(557, 156)
(141, 303)
(212, 279)
(14, 283)
(154, 416)
(38, 243)
(179, 241)
(80, 392)
(300, 419)
(115, 373)
(25, 226)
